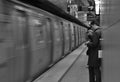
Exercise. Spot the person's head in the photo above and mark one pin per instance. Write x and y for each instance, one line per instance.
(94, 26)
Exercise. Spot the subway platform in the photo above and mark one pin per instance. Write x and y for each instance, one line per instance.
(73, 68)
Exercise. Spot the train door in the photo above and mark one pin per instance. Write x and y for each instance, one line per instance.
(6, 43)
(18, 65)
(11, 62)
(40, 54)
(82, 34)
(78, 34)
(57, 43)
(66, 35)
(63, 39)
(72, 36)
(49, 38)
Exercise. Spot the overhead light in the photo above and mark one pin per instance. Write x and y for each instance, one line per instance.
(97, 6)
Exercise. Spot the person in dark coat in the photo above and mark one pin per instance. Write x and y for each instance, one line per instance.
(93, 60)
(97, 29)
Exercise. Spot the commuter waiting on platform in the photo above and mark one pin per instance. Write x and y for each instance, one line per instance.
(97, 29)
(92, 52)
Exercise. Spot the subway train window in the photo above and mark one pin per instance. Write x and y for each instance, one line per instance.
(39, 29)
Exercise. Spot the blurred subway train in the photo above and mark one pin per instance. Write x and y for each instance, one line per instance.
(31, 40)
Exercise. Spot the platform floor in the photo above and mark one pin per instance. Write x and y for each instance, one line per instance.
(72, 68)
(79, 71)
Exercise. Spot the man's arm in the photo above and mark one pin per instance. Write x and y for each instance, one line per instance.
(94, 41)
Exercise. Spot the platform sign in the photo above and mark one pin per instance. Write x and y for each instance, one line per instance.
(82, 16)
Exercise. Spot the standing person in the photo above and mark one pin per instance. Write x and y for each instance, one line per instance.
(93, 60)
(97, 29)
